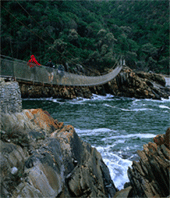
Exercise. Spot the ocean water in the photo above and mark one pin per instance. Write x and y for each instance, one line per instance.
(117, 127)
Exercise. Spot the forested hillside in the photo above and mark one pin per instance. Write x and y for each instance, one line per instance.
(90, 33)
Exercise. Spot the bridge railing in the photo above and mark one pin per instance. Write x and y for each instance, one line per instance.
(21, 71)
(41, 74)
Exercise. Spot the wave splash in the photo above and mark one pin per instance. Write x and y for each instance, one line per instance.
(110, 145)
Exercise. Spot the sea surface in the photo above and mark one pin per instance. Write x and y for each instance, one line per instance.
(116, 126)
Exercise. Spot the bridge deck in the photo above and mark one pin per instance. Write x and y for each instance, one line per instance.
(40, 74)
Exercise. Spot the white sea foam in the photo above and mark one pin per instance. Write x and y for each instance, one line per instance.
(120, 141)
(135, 102)
(94, 132)
(157, 101)
(107, 105)
(165, 100)
(100, 97)
(78, 100)
(141, 109)
(133, 136)
(108, 97)
(58, 101)
(126, 110)
(117, 167)
(164, 107)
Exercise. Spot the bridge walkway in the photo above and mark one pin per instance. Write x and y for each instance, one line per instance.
(19, 70)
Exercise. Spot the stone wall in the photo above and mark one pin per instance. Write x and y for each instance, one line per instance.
(10, 97)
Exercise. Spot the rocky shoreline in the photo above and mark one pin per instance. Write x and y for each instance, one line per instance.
(128, 84)
(41, 157)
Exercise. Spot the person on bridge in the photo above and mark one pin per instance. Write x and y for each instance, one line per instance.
(61, 70)
(50, 70)
(50, 64)
(33, 62)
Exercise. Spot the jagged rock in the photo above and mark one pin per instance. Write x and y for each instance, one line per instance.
(167, 138)
(150, 176)
(139, 85)
(45, 158)
(159, 139)
(85, 169)
(158, 78)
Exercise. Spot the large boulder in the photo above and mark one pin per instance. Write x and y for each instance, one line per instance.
(86, 173)
(41, 157)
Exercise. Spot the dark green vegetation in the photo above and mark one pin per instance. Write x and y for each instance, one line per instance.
(90, 33)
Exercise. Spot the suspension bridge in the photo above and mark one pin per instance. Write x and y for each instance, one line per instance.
(20, 71)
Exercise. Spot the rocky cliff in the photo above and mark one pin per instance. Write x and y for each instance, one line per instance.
(138, 85)
(150, 177)
(41, 157)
